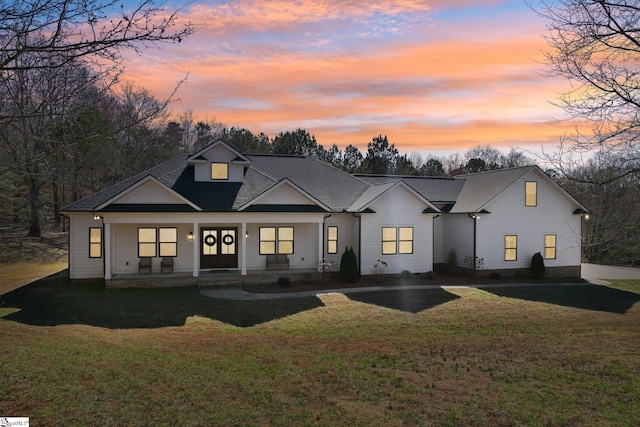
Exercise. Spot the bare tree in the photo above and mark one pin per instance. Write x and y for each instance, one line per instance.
(58, 32)
(54, 56)
(595, 44)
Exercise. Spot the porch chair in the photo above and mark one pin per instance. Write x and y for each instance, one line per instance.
(167, 264)
(144, 266)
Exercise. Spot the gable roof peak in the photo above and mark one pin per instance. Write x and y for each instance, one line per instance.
(241, 158)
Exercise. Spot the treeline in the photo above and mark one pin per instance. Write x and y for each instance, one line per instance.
(102, 136)
(380, 157)
(611, 235)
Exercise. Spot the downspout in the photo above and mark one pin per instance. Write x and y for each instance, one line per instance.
(324, 241)
(359, 216)
(433, 241)
(104, 256)
(474, 217)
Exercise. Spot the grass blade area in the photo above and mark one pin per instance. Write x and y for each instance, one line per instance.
(539, 356)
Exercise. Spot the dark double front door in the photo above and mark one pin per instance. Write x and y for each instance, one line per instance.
(219, 247)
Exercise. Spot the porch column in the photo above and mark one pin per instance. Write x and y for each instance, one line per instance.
(107, 251)
(196, 249)
(320, 246)
(243, 248)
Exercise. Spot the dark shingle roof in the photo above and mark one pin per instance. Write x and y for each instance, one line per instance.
(334, 188)
(480, 188)
(166, 173)
(434, 189)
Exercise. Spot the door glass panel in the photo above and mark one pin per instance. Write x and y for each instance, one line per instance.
(209, 242)
(228, 240)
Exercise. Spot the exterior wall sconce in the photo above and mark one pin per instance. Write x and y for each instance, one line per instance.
(246, 235)
(583, 214)
(190, 236)
(96, 217)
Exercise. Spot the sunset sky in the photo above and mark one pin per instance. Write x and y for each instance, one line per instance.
(433, 75)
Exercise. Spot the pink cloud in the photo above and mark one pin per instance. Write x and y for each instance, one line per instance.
(430, 86)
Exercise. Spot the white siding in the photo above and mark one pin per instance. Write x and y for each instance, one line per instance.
(398, 208)
(125, 248)
(218, 154)
(345, 239)
(80, 265)
(284, 195)
(458, 235)
(438, 240)
(355, 237)
(509, 216)
(304, 246)
(149, 192)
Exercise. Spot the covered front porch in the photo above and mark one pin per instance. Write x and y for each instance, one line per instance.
(212, 249)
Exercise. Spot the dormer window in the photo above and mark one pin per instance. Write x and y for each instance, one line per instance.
(219, 171)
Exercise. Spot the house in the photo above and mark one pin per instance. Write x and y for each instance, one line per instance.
(219, 210)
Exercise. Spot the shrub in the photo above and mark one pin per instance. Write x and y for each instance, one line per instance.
(405, 275)
(537, 266)
(348, 266)
(285, 282)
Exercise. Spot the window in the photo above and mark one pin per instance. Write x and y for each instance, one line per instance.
(146, 242)
(389, 241)
(267, 241)
(397, 240)
(168, 241)
(531, 193)
(510, 248)
(210, 242)
(550, 246)
(276, 240)
(228, 240)
(219, 171)
(285, 240)
(95, 242)
(332, 240)
(405, 240)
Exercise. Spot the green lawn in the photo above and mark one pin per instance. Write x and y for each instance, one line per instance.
(535, 356)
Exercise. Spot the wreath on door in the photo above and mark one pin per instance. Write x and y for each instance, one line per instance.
(227, 239)
(210, 240)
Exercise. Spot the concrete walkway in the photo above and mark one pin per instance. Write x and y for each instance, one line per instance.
(594, 272)
(240, 295)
